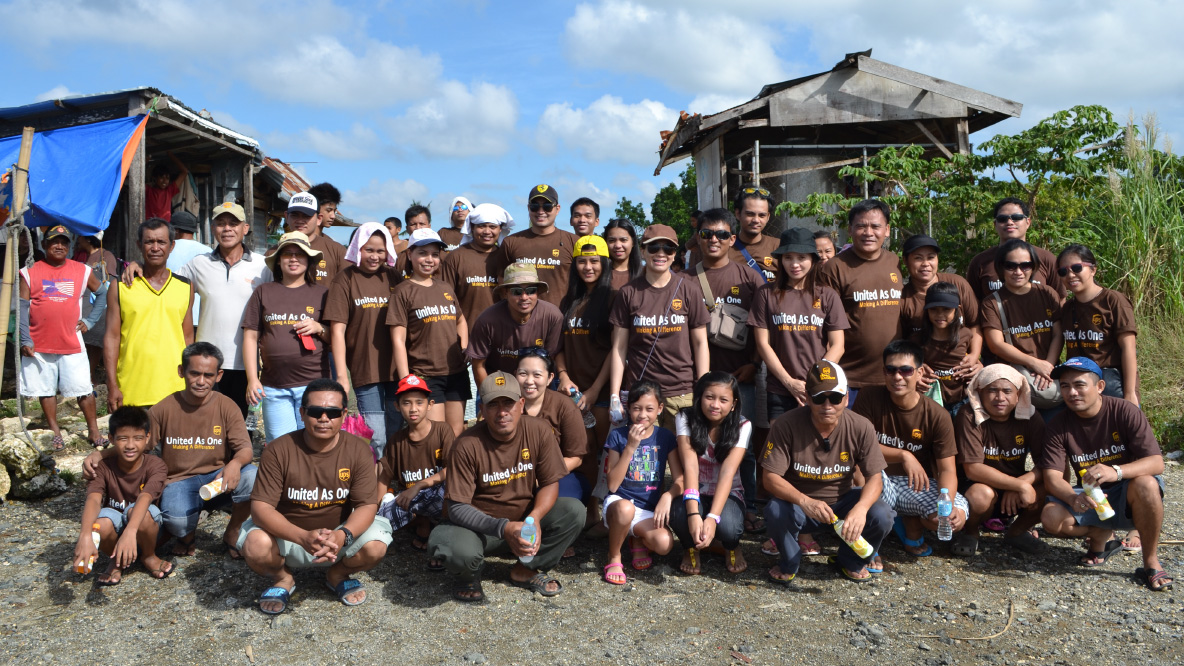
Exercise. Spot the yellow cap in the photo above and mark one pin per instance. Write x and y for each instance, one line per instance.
(590, 246)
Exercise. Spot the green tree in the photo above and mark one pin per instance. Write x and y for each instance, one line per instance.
(634, 212)
(674, 204)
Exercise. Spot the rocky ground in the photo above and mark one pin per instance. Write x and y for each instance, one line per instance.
(997, 608)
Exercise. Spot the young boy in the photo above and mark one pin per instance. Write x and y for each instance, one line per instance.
(119, 499)
(413, 465)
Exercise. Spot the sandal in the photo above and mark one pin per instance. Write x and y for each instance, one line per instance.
(810, 547)
(782, 581)
(1096, 558)
(114, 576)
(753, 523)
(693, 556)
(435, 566)
(419, 544)
(849, 575)
(538, 583)
(769, 547)
(276, 593)
(100, 443)
(641, 563)
(473, 586)
(732, 569)
(1026, 543)
(346, 587)
(58, 443)
(1156, 580)
(234, 553)
(160, 572)
(612, 577)
(874, 569)
(964, 545)
(1131, 543)
(898, 527)
(994, 525)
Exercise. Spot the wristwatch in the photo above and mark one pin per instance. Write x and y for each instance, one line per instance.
(349, 537)
(1118, 471)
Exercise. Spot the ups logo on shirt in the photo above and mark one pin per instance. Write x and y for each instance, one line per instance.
(526, 454)
(894, 277)
(437, 453)
(916, 433)
(538, 342)
(817, 303)
(1115, 436)
(217, 431)
(735, 291)
(321, 263)
(310, 309)
(1096, 319)
(844, 456)
(343, 474)
(555, 253)
(769, 261)
(1019, 440)
(1047, 313)
(447, 296)
(676, 304)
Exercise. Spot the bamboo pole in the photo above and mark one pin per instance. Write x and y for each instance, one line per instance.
(20, 187)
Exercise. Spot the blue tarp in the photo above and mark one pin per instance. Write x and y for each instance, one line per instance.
(75, 173)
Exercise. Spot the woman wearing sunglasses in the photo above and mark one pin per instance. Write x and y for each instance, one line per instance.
(1098, 323)
(661, 332)
(1022, 320)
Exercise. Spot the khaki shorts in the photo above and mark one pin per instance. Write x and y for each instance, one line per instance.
(296, 557)
(674, 404)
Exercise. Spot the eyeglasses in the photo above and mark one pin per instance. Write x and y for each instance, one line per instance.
(830, 396)
(317, 412)
(518, 291)
(459, 207)
(904, 370)
(1076, 268)
(534, 351)
(665, 248)
(1014, 217)
(708, 234)
(1021, 265)
(756, 190)
(546, 207)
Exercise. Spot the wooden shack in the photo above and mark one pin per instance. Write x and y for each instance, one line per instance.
(794, 136)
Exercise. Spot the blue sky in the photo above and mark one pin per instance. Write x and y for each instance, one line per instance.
(399, 100)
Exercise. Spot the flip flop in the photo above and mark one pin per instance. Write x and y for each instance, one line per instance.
(58, 443)
(809, 547)
(1111, 547)
(345, 588)
(769, 547)
(1156, 580)
(898, 528)
(754, 524)
(276, 593)
(538, 583)
(109, 573)
(612, 581)
(732, 563)
(164, 573)
(781, 581)
(879, 569)
(435, 566)
(474, 586)
(693, 556)
(1129, 546)
(234, 553)
(834, 561)
(419, 544)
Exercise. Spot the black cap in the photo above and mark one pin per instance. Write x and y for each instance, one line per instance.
(543, 191)
(935, 298)
(183, 220)
(797, 239)
(918, 241)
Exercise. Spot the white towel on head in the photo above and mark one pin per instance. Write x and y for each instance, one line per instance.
(484, 214)
(362, 235)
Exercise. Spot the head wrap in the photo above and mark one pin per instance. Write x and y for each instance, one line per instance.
(991, 374)
(486, 213)
(362, 235)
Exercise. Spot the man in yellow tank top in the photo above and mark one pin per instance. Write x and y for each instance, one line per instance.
(148, 326)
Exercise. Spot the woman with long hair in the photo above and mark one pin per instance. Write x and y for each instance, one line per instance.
(1098, 323)
(946, 342)
(623, 250)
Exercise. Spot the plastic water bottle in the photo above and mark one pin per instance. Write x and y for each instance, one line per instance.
(616, 415)
(945, 507)
(253, 416)
(529, 533)
(860, 545)
(83, 567)
(1105, 511)
(589, 418)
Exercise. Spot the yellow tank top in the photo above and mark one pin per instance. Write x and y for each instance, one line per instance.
(151, 339)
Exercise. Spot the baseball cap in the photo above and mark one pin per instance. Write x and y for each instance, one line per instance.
(826, 377)
(543, 191)
(57, 230)
(303, 203)
(229, 207)
(656, 232)
(942, 299)
(500, 385)
(424, 237)
(1077, 364)
(412, 383)
(590, 246)
(185, 221)
(918, 241)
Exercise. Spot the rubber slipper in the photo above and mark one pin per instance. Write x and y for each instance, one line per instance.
(164, 573)
(538, 583)
(781, 581)
(100, 443)
(1156, 580)
(693, 556)
(419, 544)
(875, 570)
(834, 561)
(769, 547)
(732, 563)
(810, 548)
(754, 524)
(435, 566)
(898, 528)
(345, 588)
(624, 579)
(109, 582)
(994, 525)
(1109, 549)
(1026, 543)
(1129, 546)
(474, 586)
(276, 593)
(234, 553)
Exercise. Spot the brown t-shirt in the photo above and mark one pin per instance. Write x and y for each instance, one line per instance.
(561, 413)
(332, 259)
(1030, 317)
(798, 326)
(451, 236)
(500, 478)
(912, 304)
(942, 360)
(620, 279)
(274, 310)
(585, 354)
(1092, 329)
(924, 431)
(550, 255)
(1002, 445)
(316, 490)
(666, 314)
(120, 490)
(761, 251)
(359, 299)
(735, 284)
(795, 452)
(473, 276)
(1117, 435)
(870, 291)
(497, 337)
(429, 315)
(407, 462)
(197, 439)
(983, 279)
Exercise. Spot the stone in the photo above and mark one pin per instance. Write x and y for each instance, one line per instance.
(46, 484)
(692, 630)
(18, 455)
(5, 483)
(1047, 605)
(475, 658)
(281, 622)
(924, 647)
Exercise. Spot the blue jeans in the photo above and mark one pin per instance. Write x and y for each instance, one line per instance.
(281, 411)
(376, 404)
(786, 521)
(748, 462)
(181, 506)
(119, 518)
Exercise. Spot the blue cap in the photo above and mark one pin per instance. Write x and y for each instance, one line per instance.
(1077, 364)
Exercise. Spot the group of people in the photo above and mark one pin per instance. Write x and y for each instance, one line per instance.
(654, 391)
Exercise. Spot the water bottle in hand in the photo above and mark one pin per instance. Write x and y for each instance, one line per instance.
(253, 413)
(589, 418)
(945, 507)
(529, 533)
(616, 415)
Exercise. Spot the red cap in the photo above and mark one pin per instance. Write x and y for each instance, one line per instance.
(412, 383)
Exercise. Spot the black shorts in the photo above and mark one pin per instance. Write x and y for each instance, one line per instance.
(450, 388)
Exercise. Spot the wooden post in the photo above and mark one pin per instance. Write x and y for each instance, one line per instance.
(136, 181)
(249, 194)
(20, 186)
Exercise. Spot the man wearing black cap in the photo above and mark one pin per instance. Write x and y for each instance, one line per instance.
(543, 245)
(1012, 220)
(185, 248)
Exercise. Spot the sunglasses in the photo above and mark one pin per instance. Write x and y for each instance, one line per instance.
(546, 207)
(756, 190)
(1014, 217)
(904, 370)
(1076, 268)
(534, 351)
(831, 397)
(317, 412)
(708, 234)
(665, 248)
(518, 291)
(1022, 265)
(459, 207)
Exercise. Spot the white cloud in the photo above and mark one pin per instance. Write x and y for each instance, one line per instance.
(607, 130)
(459, 121)
(709, 103)
(380, 199)
(224, 119)
(56, 92)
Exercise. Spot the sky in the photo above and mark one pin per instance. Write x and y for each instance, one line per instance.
(393, 101)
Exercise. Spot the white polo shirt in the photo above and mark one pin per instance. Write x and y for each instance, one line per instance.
(224, 291)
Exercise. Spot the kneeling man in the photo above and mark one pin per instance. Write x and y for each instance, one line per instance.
(315, 505)
(1109, 442)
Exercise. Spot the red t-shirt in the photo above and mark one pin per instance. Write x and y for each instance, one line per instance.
(55, 305)
(159, 203)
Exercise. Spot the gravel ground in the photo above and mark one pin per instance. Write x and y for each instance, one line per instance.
(920, 611)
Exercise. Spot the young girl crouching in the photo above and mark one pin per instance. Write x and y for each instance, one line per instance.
(636, 505)
(712, 439)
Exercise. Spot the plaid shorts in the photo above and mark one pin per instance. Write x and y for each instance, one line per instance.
(908, 502)
(427, 502)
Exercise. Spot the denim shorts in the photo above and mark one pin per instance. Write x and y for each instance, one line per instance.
(296, 557)
(1116, 493)
(119, 518)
